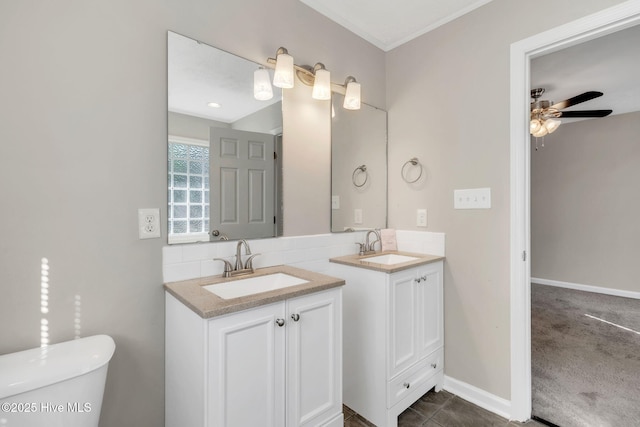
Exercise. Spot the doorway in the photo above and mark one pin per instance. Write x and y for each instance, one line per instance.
(605, 22)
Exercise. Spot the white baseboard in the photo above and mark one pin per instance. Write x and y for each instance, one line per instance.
(587, 288)
(478, 397)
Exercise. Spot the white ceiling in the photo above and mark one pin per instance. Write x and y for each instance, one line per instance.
(198, 74)
(388, 24)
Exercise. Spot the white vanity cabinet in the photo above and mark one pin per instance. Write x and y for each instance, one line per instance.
(274, 365)
(393, 338)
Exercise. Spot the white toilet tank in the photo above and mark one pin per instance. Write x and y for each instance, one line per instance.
(60, 385)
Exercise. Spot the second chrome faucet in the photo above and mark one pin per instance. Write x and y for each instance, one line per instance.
(368, 247)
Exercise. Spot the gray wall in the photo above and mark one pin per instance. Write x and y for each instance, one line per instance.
(191, 126)
(448, 103)
(584, 203)
(84, 132)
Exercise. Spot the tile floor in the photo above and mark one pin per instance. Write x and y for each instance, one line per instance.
(441, 409)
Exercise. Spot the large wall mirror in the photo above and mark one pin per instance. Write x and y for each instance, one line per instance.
(223, 179)
(224, 167)
(358, 167)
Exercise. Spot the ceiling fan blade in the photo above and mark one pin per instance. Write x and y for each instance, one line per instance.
(583, 97)
(585, 113)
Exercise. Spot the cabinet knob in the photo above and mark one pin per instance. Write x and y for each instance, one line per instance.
(280, 322)
(418, 280)
(434, 365)
(295, 317)
(406, 385)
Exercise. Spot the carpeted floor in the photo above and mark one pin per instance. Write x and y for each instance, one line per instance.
(585, 372)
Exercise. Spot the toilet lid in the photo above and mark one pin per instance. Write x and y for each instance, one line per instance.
(39, 367)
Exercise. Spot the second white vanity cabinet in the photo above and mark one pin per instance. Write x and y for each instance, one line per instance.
(275, 365)
(393, 336)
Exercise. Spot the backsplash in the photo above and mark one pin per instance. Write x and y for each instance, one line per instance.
(182, 262)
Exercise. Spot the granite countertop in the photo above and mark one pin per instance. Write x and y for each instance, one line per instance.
(207, 305)
(361, 261)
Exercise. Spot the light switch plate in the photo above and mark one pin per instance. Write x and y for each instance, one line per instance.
(473, 198)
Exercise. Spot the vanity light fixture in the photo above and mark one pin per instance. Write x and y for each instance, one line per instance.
(318, 77)
(352, 94)
(283, 76)
(321, 83)
(262, 90)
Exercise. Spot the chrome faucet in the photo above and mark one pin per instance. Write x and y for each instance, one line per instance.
(240, 268)
(367, 247)
(372, 246)
(247, 251)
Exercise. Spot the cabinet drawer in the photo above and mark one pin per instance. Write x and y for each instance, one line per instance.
(408, 381)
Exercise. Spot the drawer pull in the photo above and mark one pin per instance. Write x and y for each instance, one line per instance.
(280, 322)
(434, 365)
(406, 385)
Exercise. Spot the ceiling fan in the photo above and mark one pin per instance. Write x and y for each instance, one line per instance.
(545, 115)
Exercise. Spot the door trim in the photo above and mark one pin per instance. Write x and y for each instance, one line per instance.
(610, 20)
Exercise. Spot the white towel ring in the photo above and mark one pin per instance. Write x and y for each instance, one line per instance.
(414, 162)
(358, 171)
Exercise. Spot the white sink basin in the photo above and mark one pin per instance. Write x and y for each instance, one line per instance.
(389, 259)
(254, 285)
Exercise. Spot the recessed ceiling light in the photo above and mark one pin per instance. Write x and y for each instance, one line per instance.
(213, 105)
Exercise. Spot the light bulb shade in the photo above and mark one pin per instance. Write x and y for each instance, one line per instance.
(534, 126)
(322, 85)
(283, 76)
(541, 132)
(352, 96)
(552, 124)
(262, 89)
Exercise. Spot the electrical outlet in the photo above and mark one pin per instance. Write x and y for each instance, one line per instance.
(148, 223)
(335, 202)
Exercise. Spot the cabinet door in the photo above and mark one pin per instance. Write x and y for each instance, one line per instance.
(314, 358)
(402, 318)
(429, 291)
(246, 374)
